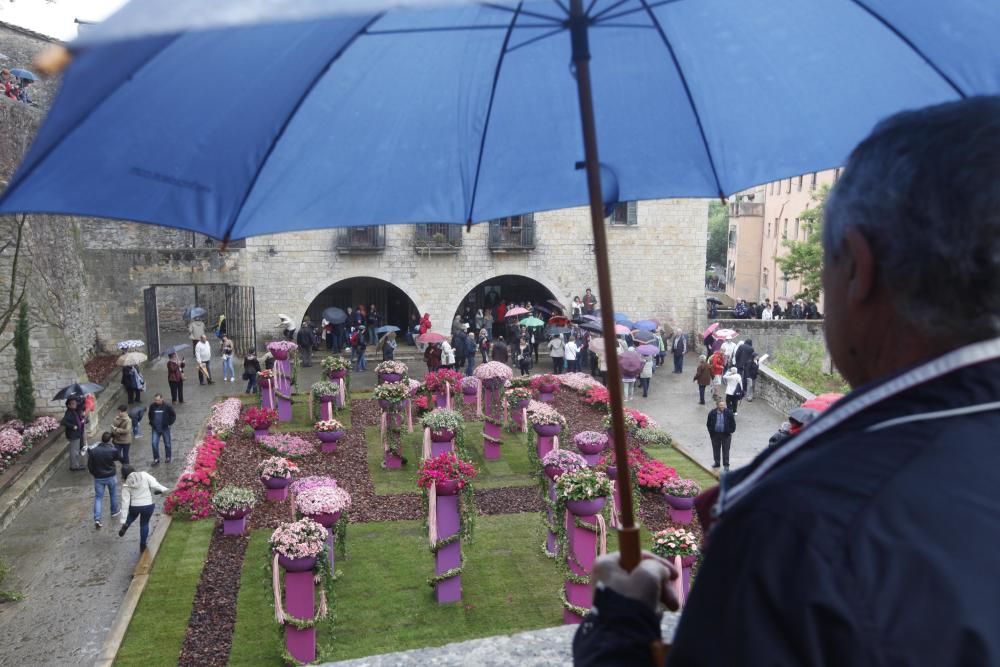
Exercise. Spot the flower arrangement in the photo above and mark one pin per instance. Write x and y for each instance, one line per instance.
(233, 498)
(265, 375)
(311, 482)
(12, 444)
(675, 542)
(596, 396)
(40, 427)
(442, 420)
(652, 474)
(470, 383)
(514, 397)
(437, 380)
(224, 417)
(642, 420)
(520, 381)
(281, 346)
(578, 382)
(416, 386)
(583, 484)
(325, 388)
(191, 497)
(285, 444)
(493, 373)
(335, 362)
(397, 367)
(260, 418)
(422, 403)
(653, 437)
(630, 424)
(681, 488)
(300, 539)
(540, 414)
(446, 467)
(546, 380)
(322, 500)
(277, 466)
(14, 425)
(328, 425)
(394, 392)
(565, 459)
(636, 458)
(591, 438)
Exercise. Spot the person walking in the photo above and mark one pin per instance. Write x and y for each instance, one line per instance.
(121, 433)
(646, 374)
(500, 351)
(447, 355)
(374, 321)
(203, 355)
(557, 350)
(589, 302)
(389, 345)
(75, 426)
(661, 344)
(717, 362)
(130, 380)
(458, 345)
(432, 357)
(251, 367)
(484, 344)
(196, 331)
(227, 350)
(470, 353)
(175, 378)
(679, 348)
(741, 359)
(523, 356)
(734, 389)
(305, 338)
(721, 424)
(138, 488)
(703, 376)
(361, 348)
(571, 353)
(161, 418)
(101, 464)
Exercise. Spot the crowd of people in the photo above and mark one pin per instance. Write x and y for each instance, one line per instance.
(15, 87)
(799, 309)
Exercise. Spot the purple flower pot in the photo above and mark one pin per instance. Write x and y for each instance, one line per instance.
(260, 433)
(547, 430)
(329, 436)
(444, 435)
(523, 404)
(390, 377)
(337, 374)
(590, 448)
(392, 406)
(547, 388)
(297, 564)
(447, 487)
(325, 519)
(468, 390)
(679, 502)
(279, 355)
(275, 482)
(327, 399)
(235, 514)
(585, 507)
(552, 471)
(612, 472)
(688, 561)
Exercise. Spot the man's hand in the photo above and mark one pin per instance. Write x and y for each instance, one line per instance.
(650, 583)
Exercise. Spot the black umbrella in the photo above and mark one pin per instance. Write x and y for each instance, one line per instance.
(591, 326)
(643, 336)
(542, 308)
(77, 390)
(712, 299)
(556, 304)
(335, 315)
(174, 349)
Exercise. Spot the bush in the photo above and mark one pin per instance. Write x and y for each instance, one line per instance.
(803, 361)
(24, 388)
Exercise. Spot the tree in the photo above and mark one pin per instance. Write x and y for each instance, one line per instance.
(718, 235)
(24, 389)
(16, 288)
(804, 260)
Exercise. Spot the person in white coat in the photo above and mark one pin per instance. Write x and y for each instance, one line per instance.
(137, 497)
(447, 355)
(734, 389)
(203, 355)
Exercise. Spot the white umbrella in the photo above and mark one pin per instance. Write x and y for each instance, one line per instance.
(131, 359)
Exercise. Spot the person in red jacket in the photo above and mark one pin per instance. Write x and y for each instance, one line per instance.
(425, 323)
(718, 364)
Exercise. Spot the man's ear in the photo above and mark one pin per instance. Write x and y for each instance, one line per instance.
(861, 267)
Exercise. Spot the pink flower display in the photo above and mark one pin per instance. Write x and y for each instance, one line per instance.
(277, 466)
(225, 416)
(493, 373)
(565, 459)
(322, 500)
(311, 482)
(540, 414)
(301, 539)
(192, 496)
(285, 444)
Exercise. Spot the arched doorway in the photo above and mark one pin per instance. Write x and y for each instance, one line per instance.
(510, 289)
(392, 302)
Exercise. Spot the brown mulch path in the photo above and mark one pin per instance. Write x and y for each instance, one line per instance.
(100, 368)
(209, 636)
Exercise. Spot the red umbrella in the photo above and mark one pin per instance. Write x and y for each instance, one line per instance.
(431, 337)
(711, 329)
(559, 321)
(514, 312)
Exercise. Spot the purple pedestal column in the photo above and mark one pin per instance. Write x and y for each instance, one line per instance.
(284, 409)
(448, 557)
(440, 399)
(284, 372)
(438, 448)
(591, 459)
(544, 446)
(492, 437)
(265, 397)
(469, 399)
(300, 602)
(546, 397)
(234, 526)
(683, 517)
(326, 410)
(277, 494)
(551, 543)
(583, 546)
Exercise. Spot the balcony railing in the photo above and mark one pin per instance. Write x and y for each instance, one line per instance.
(361, 239)
(516, 233)
(437, 238)
(737, 209)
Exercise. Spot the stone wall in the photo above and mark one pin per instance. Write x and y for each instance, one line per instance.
(778, 391)
(21, 46)
(768, 334)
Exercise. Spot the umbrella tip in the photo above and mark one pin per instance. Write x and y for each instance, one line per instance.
(468, 225)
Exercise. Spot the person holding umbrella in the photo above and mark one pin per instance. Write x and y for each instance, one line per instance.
(203, 355)
(175, 377)
(74, 424)
(131, 382)
(196, 328)
(557, 351)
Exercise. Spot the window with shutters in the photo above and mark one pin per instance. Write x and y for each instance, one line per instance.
(623, 214)
(812, 181)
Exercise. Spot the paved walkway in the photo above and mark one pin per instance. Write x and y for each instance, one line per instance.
(73, 576)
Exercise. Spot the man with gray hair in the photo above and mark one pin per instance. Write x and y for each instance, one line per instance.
(870, 537)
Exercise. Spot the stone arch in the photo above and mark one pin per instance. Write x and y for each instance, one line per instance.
(374, 273)
(539, 277)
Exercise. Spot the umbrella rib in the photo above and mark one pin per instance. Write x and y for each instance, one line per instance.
(913, 47)
(489, 111)
(687, 92)
(288, 119)
(520, 10)
(604, 16)
(536, 38)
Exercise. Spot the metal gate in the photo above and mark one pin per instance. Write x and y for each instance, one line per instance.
(241, 317)
(152, 322)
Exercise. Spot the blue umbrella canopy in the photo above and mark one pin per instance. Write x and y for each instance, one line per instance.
(467, 112)
(24, 74)
(646, 325)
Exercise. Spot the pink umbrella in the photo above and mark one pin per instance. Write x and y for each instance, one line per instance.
(597, 345)
(711, 329)
(726, 334)
(514, 312)
(622, 330)
(431, 337)
(648, 350)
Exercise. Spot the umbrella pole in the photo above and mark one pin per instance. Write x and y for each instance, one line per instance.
(628, 534)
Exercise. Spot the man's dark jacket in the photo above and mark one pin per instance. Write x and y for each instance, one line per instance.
(168, 414)
(101, 460)
(730, 420)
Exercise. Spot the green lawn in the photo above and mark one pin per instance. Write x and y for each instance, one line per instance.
(512, 469)
(156, 633)
(384, 604)
(685, 467)
(300, 414)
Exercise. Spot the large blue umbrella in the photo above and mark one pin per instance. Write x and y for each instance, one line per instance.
(351, 113)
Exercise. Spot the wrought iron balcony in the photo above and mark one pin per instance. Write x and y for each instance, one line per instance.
(437, 238)
(513, 234)
(361, 240)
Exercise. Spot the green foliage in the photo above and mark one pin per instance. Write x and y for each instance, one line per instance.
(805, 258)
(803, 361)
(24, 388)
(685, 467)
(7, 596)
(718, 235)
